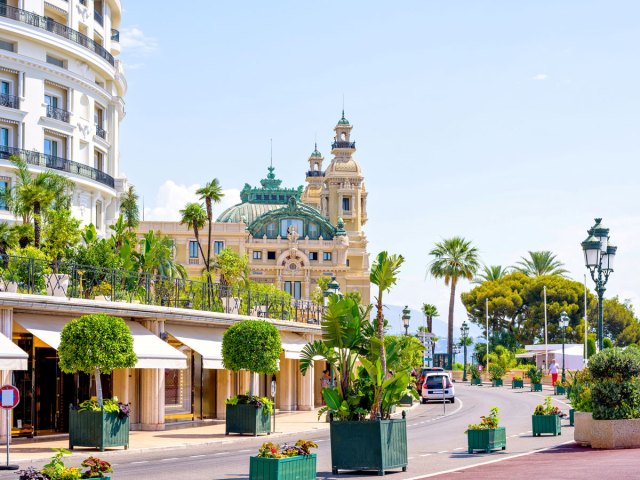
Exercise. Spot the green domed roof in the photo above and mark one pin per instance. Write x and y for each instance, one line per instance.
(247, 212)
(343, 121)
(315, 152)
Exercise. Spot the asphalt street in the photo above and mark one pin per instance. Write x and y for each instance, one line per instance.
(436, 443)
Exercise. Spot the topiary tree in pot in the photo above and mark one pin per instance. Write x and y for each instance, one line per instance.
(96, 344)
(255, 346)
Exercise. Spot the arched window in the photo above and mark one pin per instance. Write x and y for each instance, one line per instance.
(272, 231)
(313, 231)
(343, 136)
(287, 223)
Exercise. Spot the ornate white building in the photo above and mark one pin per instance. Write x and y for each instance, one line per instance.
(61, 98)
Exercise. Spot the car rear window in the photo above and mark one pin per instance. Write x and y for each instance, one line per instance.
(435, 381)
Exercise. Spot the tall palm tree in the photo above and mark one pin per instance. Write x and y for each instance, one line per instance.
(540, 263)
(453, 258)
(129, 208)
(430, 311)
(211, 193)
(490, 273)
(194, 216)
(384, 274)
(8, 238)
(33, 195)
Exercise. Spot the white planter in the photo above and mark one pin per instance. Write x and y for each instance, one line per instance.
(231, 304)
(610, 434)
(57, 284)
(582, 422)
(9, 287)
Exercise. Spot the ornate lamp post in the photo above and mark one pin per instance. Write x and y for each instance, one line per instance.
(599, 257)
(464, 335)
(563, 322)
(406, 318)
(332, 287)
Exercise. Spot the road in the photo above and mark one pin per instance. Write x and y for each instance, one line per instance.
(436, 443)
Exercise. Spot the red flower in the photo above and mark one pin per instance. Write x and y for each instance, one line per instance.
(274, 450)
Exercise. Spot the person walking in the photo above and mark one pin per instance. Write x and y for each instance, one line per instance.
(554, 368)
(325, 381)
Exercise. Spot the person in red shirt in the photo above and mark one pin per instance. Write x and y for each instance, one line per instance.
(553, 370)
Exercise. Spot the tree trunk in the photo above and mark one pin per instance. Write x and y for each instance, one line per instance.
(210, 218)
(98, 386)
(196, 234)
(430, 324)
(251, 384)
(452, 300)
(36, 225)
(383, 357)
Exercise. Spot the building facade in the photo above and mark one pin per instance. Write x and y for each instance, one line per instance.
(61, 98)
(294, 236)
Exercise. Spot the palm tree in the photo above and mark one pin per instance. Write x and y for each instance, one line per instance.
(384, 274)
(430, 311)
(454, 258)
(540, 263)
(211, 193)
(33, 195)
(8, 238)
(490, 273)
(194, 216)
(129, 208)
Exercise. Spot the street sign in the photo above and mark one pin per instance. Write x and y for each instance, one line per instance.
(9, 397)
(427, 359)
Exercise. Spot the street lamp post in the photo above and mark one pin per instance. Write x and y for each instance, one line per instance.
(563, 322)
(464, 334)
(599, 257)
(406, 318)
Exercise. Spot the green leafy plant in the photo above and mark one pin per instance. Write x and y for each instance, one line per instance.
(474, 371)
(496, 372)
(27, 267)
(57, 470)
(258, 402)
(615, 388)
(96, 344)
(488, 422)
(580, 393)
(95, 467)
(273, 450)
(108, 405)
(535, 375)
(517, 377)
(547, 408)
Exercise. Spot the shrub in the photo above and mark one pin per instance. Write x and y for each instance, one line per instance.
(615, 363)
(580, 393)
(496, 372)
(474, 370)
(252, 345)
(535, 375)
(487, 423)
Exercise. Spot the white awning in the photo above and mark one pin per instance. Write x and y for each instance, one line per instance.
(525, 355)
(151, 351)
(292, 343)
(204, 340)
(12, 357)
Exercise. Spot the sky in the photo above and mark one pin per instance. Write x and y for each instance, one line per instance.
(512, 124)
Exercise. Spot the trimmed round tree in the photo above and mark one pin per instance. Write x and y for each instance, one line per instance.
(96, 344)
(252, 345)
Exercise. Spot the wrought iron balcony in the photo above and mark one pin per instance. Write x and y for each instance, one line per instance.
(52, 26)
(58, 163)
(101, 132)
(10, 101)
(115, 35)
(97, 16)
(343, 145)
(315, 173)
(58, 114)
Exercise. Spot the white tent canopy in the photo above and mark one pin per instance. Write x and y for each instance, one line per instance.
(206, 341)
(150, 350)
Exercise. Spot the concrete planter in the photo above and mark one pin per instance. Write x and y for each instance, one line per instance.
(609, 434)
(582, 430)
(57, 284)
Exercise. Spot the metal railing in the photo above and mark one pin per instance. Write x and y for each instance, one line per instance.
(315, 173)
(343, 145)
(101, 132)
(52, 26)
(10, 101)
(71, 280)
(58, 114)
(115, 35)
(58, 163)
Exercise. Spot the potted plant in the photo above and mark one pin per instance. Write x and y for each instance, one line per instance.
(496, 372)
(96, 344)
(580, 415)
(286, 462)
(561, 388)
(517, 382)
(476, 375)
(96, 468)
(535, 375)
(252, 345)
(546, 419)
(57, 470)
(487, 435)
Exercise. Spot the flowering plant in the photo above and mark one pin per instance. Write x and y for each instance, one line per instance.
(488, 422)
(273, 450)
(258, 402)
(547, 409)
(517, 377)
(96, 468)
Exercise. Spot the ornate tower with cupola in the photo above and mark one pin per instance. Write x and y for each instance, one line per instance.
(315, 177)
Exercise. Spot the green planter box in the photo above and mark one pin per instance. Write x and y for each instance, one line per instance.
(97, 429)
(406, 401)
(476, 381)
(558, 390)
(546, 424)
(517, 383)
(497, 383)
(302, 467)
(487, 440)
(571, 416)
(247, 419)
(369, 445)
(568, 391)
(536, 387)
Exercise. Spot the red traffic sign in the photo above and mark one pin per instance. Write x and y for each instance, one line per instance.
(9, 397)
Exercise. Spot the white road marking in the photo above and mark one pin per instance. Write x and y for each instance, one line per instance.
(196, 456)
(426, 455)
(242, 451)
(410, 458)
(168, 459)
(443, 451)
(459, 448)
(140, 461)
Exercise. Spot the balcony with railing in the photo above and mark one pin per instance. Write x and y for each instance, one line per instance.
(10, 101)
(315, 173)
(56, 28)
(58, 114)
(115, 35)
(58, 163)
(343, 145)
(101, 132)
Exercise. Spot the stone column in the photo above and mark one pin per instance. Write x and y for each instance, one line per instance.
(318, 368)
(152, 391)
(306, 392)
(286, 393)
(6, 328)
